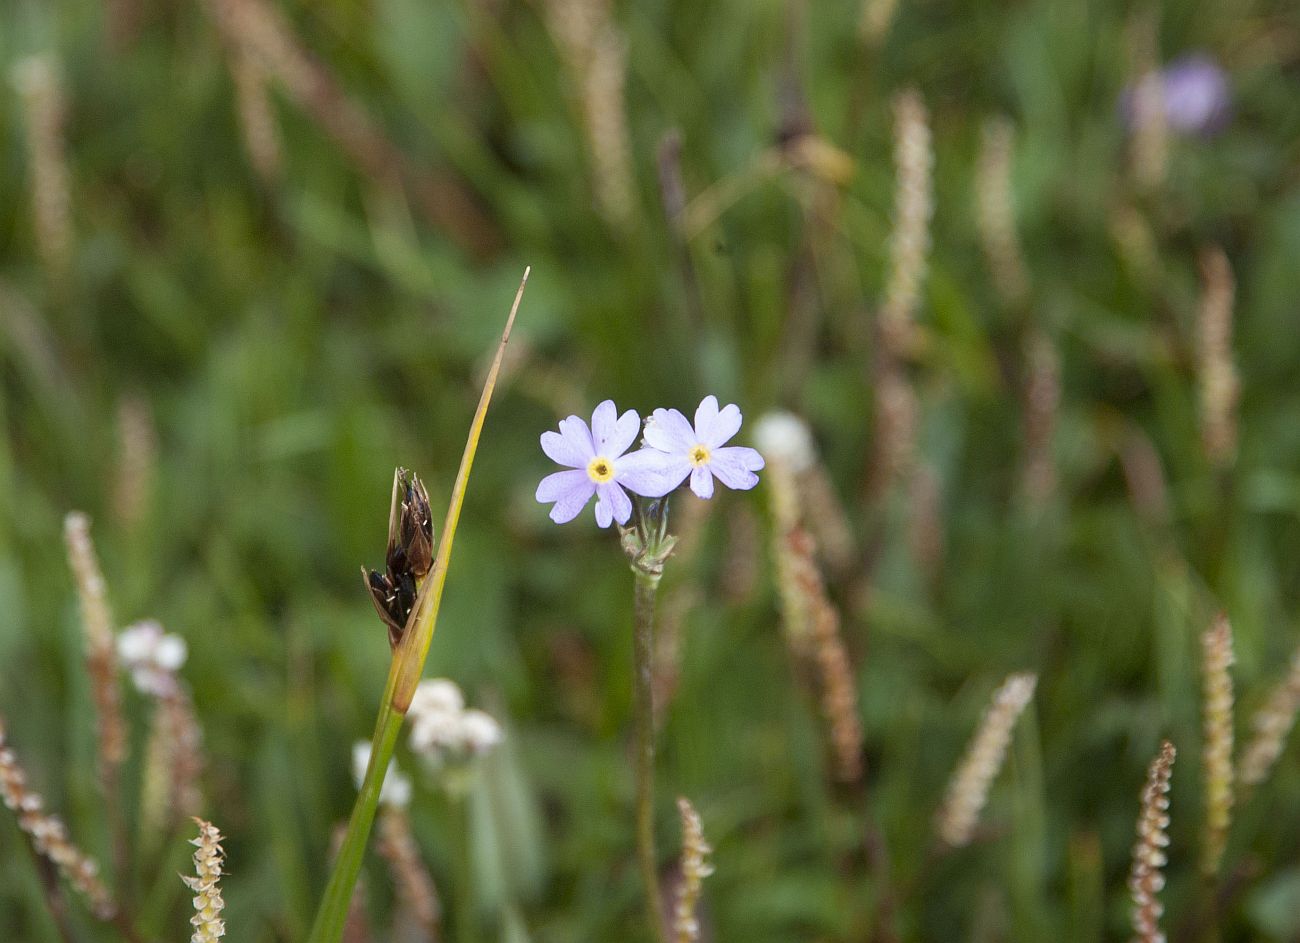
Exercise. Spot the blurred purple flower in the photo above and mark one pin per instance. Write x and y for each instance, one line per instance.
(599, 466)
(698, 451)
(1195, 95)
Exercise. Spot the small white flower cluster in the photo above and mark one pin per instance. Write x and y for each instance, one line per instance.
(396, 791)
(443, 732)
(152, 656)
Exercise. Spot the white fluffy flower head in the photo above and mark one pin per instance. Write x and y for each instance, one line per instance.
(152, 655)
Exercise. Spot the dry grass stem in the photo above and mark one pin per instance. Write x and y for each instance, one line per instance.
(694, 869)
(874, 21)
(255, 29)
(925, 531)
(37, 79)
(910, 241)
(1220, 387)
(48, 834)
(968, 791)
(173, 765)
(812, 623)
(257, 123)
(418, 909)
(137, 461)
(594, 54)
(997, 213)
(206, 885)
(1146, 878)
(1271, 725)
(1150, 145)
(1042, 400)
(101, 656)
(1216, 644)
(897, 413)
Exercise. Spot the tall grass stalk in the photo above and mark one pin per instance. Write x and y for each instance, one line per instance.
(403, 676)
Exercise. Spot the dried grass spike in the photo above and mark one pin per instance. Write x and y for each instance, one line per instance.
(1146, 879)
(969, 789)
(1271, 724)
(695, 868)
(418, 909)
(38, 82)
(206, 884)
(997, 213)
(913, 205)
(1216, 644)
(1220, 388)
(101, 655)
(48, 834)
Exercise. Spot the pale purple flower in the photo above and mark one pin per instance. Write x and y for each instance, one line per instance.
(598, 466)
(1193, 92)
(700, 451)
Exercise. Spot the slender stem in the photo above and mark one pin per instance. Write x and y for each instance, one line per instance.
(647, 585)
(403, 676)
(333, 912)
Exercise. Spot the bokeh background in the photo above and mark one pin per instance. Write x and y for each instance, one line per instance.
(254, 254)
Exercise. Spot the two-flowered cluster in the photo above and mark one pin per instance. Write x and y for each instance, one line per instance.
(674, 449)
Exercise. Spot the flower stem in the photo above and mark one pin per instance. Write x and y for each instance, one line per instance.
(647, 585)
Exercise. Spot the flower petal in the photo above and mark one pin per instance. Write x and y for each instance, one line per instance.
(669, 431)
(571, 502)
(725, 424)
(604, 419)
(702, 482)
(623, 435)
(604, 516)
(651, 473)
(562, 450)
(705, 414)
(557, 484)
(612, 496)
(735, 466)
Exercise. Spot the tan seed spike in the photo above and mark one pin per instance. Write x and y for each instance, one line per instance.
(695, 868)
(1272, 723)
(969, 789)
(913, 205)
(48, 834)
(101, 655)
(1146, 878)
(1216, 644)
(206, 884)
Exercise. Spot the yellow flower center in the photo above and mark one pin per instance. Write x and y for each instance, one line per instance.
(699, 456)
(600, 470)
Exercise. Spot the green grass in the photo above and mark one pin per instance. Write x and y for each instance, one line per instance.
(295, 342)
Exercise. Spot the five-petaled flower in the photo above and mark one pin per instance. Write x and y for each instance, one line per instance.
(676, 450)
(599, 467)
(701, 451)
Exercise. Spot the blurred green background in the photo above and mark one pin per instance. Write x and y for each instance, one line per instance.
(230, 344)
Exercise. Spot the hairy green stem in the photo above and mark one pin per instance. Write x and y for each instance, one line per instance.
(647, 585)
